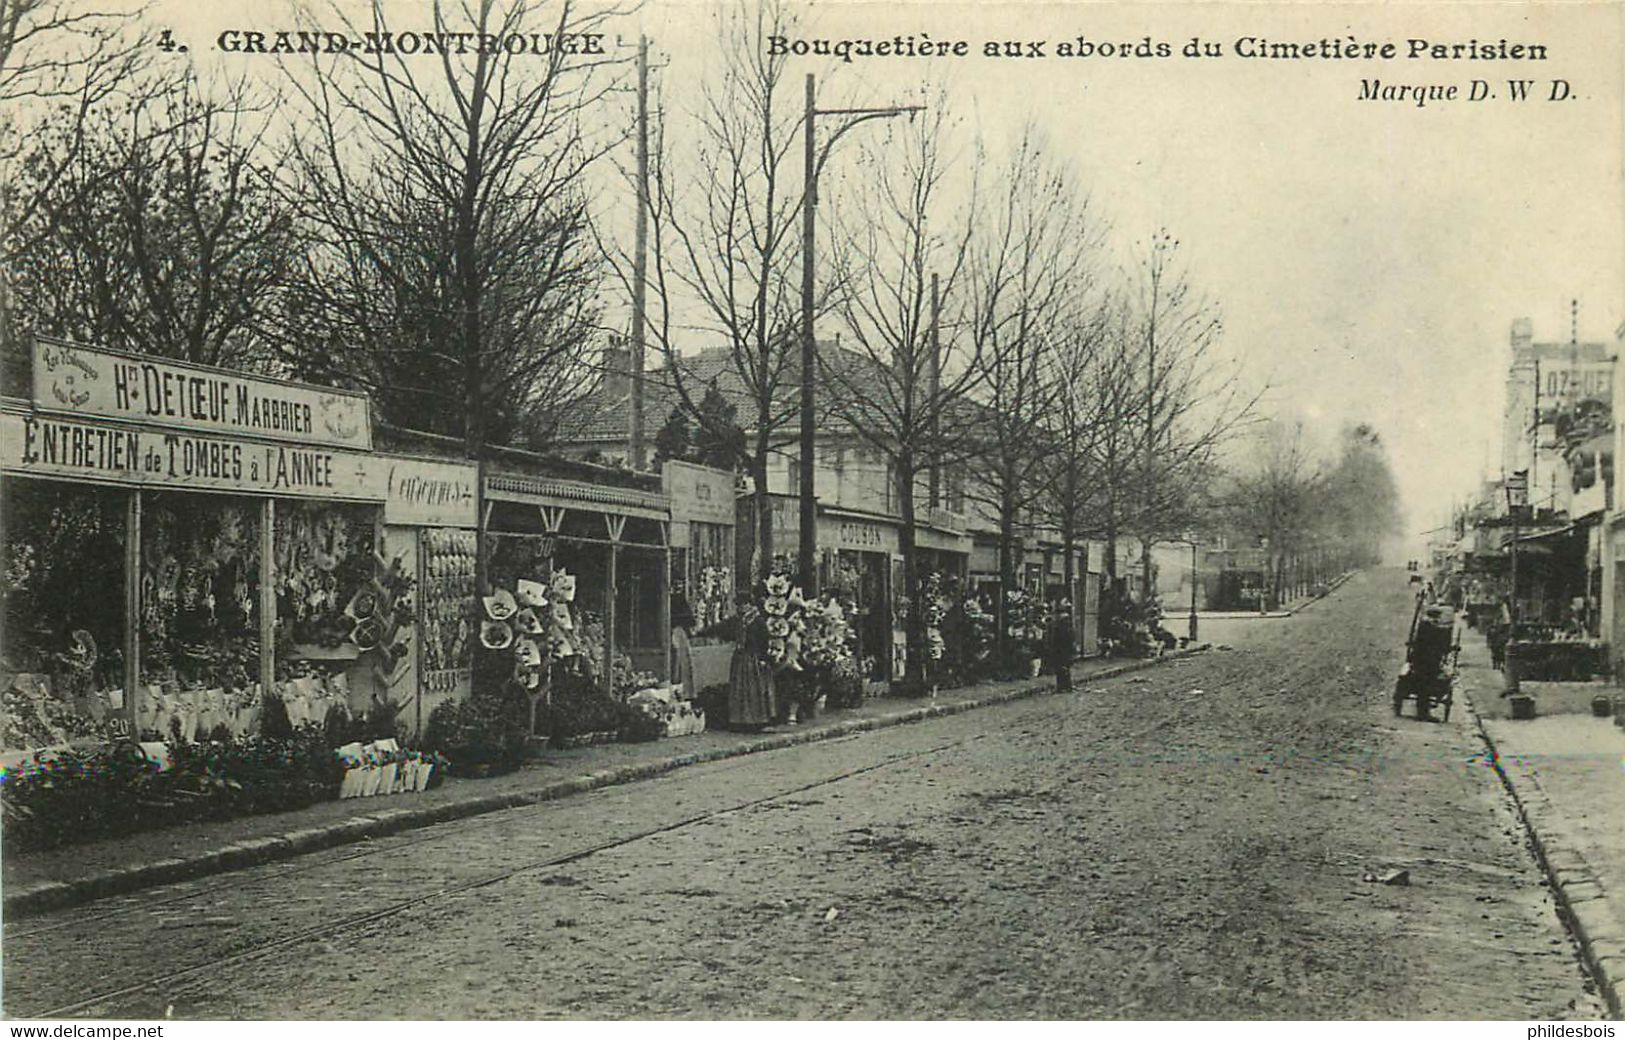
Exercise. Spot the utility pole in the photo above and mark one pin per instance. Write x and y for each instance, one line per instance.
(814, 159)
(807, 549)
(640, 262)
(1534, 440)
(934, 375)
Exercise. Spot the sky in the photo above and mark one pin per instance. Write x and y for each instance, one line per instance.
(1369, 256)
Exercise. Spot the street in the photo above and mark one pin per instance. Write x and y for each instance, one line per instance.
(1193, 841)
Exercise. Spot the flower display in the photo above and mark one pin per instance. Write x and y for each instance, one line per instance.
(980, 628)
(934, 607)
(828, 635)
(1025, 619)
(782, 608)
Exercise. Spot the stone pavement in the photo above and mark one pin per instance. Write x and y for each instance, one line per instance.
(35, 882)
(1566, 770)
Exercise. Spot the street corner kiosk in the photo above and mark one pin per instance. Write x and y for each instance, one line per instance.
(183, 543)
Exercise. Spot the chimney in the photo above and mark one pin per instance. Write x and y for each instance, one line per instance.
(617, 370)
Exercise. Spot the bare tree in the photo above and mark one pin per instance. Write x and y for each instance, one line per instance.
(55, 51)
(1191, 400)
(1028, 268)
(1276, 493)
(1088, 384)
(59, 62)
(726, 250)
(451, 270)
(901, 256)
(155, 226)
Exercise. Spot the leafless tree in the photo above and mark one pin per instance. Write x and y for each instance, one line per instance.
(726, 251)
(902, 255)
(59, 62)
(1191, 399)
(155, 226)
(451, 269)
(1029, 269)
(1090, 383)
(1276, 492)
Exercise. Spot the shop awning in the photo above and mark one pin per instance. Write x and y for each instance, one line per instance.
(1543, 541)
(571, 494)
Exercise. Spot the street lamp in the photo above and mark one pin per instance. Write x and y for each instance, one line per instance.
(1517, 492)
(1190, 541)
(1268, 575)
(815, 159)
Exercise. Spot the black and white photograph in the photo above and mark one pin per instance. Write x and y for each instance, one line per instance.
(652, 511)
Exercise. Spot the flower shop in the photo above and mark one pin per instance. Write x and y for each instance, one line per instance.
(863, 563)
(703, 512)
(575, 635)
(219, 570)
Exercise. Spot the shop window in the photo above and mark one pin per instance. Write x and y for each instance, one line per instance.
(710, 576)
(956, 489)
(200, 564)
(63, 555)
(324, 558)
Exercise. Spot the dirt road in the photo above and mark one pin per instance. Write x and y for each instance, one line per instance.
(1186, 842)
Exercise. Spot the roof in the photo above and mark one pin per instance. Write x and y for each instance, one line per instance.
(606, 413)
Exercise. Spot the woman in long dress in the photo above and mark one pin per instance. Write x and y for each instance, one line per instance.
(682, 670)
(750, 681)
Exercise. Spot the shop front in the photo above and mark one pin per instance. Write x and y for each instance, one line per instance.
(188, 549)
(859, 559)
(431, 520)
(702, 564)
(610, 544)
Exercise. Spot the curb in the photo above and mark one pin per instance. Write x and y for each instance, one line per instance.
(1245, 615)
(56, 895)
(1571, 880)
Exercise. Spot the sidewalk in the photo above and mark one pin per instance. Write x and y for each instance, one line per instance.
(1564, 769)
(1286, 611)
(35, 882)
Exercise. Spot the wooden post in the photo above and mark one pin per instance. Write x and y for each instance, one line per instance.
(132, 612)
(663, 590)
(419, 633)
(616, 526)
(267, 597)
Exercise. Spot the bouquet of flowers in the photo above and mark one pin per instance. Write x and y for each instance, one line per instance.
(828, 638)
(980, 626)
(1024, 619)
(934, 607)
(783, 618)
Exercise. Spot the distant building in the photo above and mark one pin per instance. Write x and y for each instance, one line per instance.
(1547, 385)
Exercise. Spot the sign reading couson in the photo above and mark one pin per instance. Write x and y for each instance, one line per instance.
(43, 446)
(105, 384)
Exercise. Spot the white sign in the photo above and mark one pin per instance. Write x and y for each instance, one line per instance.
(1517, 486)
(429, 493)
(45, 446)
(96, 383)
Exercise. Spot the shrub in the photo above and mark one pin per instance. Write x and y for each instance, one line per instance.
(713, 700)
(636, 726)
(845, 687)
(579, 705)
(486, 730)
(115, 790)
